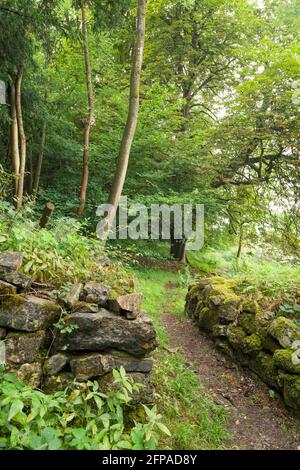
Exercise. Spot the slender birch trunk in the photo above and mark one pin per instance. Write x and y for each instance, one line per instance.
(22, 138)
(40, 158)
(240, 247)
(14, 139)
(130, 128)
(90, 116)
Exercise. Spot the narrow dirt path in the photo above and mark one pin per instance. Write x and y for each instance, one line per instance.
(255, 419)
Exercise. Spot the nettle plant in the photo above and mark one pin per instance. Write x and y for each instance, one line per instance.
(81, 417)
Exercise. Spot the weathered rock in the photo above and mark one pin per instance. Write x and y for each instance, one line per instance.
(250, 306)
(20, 280)
(206, 318)
(102, 261)
(288, 360)
(73, 295)
(31, 374)
(221, 295)
(96, 293)
(251, 344)
(225, 347)
(23, 347)
(143, 395)
(28, 313)
(268, 342)
(126, 304)
(10, 261)
(247, 322)
(285, 331)
(6, 289)
(291, 390)
(91, 365)
(131, 363)
(54, 364)
(219, 330)
(236, 336)
(56, 383)
(264, 366)
(104, 330)
(3, 333)
(85, 307)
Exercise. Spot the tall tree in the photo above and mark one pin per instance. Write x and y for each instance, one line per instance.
(22, 137)
(14, 139)
(90, 115)
(132, 118)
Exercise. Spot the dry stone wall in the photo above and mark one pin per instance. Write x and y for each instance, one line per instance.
(92, 331)
(267, 344)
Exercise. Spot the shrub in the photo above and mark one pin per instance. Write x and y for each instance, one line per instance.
(79, 418)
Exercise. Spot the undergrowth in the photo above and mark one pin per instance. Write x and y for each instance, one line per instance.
(79, 418)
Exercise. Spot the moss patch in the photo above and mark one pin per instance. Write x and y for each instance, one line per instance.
(285, 331)
(251, 344)
(284, 360)
(291, 390)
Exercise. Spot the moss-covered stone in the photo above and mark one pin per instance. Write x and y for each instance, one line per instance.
(7, 289)
(28, 313)
(250, 306)
(251, 344)
(219, 331)
(236, 335)
(291, 390)
(284, 359)
(58, 382)
(247, 322)
(207, 319)
(264, 366)
(285, 331)
(23, 348)
(31, 374)
(225, 347)
(268, 342)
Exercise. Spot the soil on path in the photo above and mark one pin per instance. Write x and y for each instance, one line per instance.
(256, 419)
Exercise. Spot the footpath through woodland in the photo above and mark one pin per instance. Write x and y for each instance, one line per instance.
(257, 418)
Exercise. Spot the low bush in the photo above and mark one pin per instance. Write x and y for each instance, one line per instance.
(80, 417)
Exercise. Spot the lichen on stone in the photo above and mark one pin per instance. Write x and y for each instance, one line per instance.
(285, 331)
(284, 360)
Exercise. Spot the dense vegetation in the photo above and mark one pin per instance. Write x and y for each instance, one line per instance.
(218, 124)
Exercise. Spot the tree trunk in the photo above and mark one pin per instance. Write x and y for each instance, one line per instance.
(30, 170)
(90, 117)
(130, 128)
(39, 162)
(240, 247)
(14, 139)
(47, 212)
(21, 136)
(178, 250)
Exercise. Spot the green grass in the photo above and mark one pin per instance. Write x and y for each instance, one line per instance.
(194, 420)
(268, 274)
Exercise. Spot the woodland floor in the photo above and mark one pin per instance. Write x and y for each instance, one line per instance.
(255, 420)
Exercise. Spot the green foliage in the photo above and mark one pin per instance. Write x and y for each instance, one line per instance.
(202, 424)
(57, 255)
(65, 329)
(79, 418)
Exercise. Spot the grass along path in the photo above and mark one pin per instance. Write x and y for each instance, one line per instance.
(207, 401)
(194, 420)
